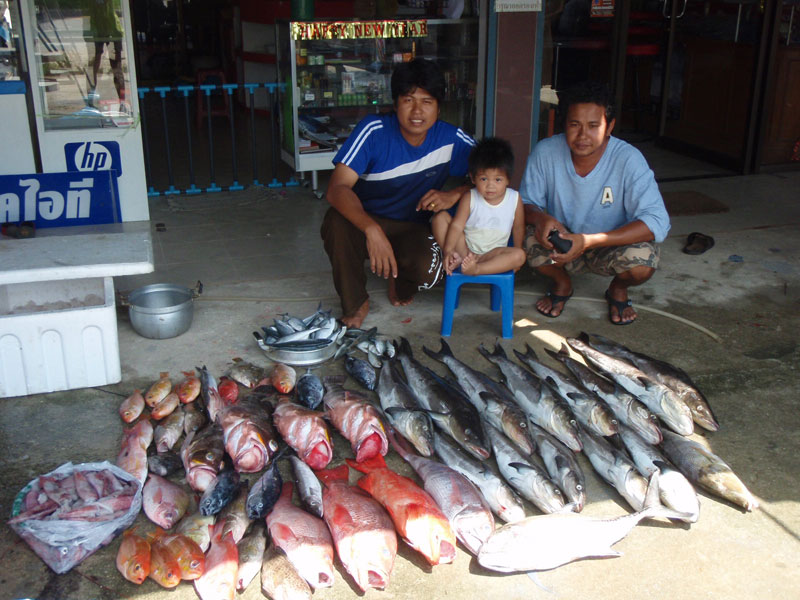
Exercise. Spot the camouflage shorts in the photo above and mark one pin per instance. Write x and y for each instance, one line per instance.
(601, 261)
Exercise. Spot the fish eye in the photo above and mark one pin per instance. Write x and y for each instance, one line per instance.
(209, 456)
(523, 424)
(468, 431)
(194, 564)
(578, 487)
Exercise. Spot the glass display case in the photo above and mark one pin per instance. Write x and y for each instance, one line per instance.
(337, 72)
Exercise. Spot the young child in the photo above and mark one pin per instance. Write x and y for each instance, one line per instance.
(476, 238)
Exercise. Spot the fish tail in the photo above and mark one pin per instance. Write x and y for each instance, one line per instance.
(498, 350)
(397, 442)
(443, 352)
(368, 465)
(652, 507)
(405, 347)
(485, 353)
(334, 474)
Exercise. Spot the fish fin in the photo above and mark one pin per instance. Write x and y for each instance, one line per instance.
(662, 466)
(561, 462)
(520, 466)
(341, 516)
(331, 382)
(368, 465)
(533, 576)
(163, 374)
(405, 347)
(334, 474)
(283, 533)
(652, 507)
(529, 352)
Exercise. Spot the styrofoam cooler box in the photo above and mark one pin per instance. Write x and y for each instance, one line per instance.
(58, 335)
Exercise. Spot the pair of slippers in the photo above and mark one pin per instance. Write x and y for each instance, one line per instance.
(26, 229)
(620, 305)
(697, 243)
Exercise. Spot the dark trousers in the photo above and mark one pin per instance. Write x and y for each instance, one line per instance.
(418, 256)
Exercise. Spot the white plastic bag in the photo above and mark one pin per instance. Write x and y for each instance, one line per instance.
(62, 544)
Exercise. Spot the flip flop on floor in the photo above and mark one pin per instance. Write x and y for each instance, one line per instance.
(697, 243)
(620, 305)
(555, 299)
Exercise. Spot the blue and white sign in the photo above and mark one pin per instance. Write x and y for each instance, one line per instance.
(60, 199)
(93, 156)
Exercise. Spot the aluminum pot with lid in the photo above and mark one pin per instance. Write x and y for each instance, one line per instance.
(162, 310)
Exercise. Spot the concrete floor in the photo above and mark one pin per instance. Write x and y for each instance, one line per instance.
(731, 324)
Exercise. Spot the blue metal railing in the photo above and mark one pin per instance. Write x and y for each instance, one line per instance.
(203, 94)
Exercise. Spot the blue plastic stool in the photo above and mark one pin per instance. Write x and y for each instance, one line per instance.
(502, 298)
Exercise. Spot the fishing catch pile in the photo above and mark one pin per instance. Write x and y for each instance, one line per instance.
(219, 513)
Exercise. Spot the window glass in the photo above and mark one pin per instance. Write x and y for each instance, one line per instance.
(10, 42)
(82, 64)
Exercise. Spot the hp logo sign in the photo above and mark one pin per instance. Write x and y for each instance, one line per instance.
(93, 156)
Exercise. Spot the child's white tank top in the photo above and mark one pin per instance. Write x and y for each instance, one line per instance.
(489, 226)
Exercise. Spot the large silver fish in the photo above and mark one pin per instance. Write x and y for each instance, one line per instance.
(537, 401)
(671, 376)
(626, 407)
(501, 499)
(676, 491)
(707, 470)
(545, 542)
(446, 405)
(615, 468)
(656, 396)
(561, 465)
(457, 497)
(590, 410)
(402, 410)
(524, 476)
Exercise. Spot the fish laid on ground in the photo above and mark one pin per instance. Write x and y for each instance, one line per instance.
(676, 491)
(158, 390)
(402, 409)
(132, 456)
(218, 582)
(537, 401)
(661, 400)
(133, 557)
(545, 542)
(197, 527)
(304, 538)
(202, 454)
(498, 495)
(279, 579)
(449, 408)
(248, 434)
(164, 567)
(132, 407)
(354, 416)
(416, 516)
(210, 393)
(502, 411)
(561, 465)
(220, 492)
(308, 486)
(164, 464)
(265, 492)
(626, 407)
(530, 481)
(247, 374)
(188, 554)
(361, 529)
(361, 371)
(251, 555)
(309, 390)
(189, 388)
(164, 502)
(457, 497)
(234, 518)
(590, 410)
(194, 417)
(707, 470)
(671, 376)
(305, 431)
(168, 431)
(615, 468)
(165, 406)
(283, 378)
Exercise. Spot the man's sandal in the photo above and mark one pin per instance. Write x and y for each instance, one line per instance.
(555, 299)
(620, 305)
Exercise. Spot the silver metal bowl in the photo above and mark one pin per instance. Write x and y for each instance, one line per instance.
(161, 310)
(298, 358)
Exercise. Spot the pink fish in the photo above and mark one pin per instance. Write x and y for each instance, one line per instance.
(353, 414)
(165, 406)
(133, 453)
(218, 582)
(164, 502)
(415, 514)
(158, 390)
(202, 453)
(304, 538)
(248, 435)
(132, 407)
(362, 530)
(305, 431)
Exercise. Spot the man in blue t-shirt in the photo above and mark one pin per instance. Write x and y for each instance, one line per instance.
(601, 196)
(385, 185)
